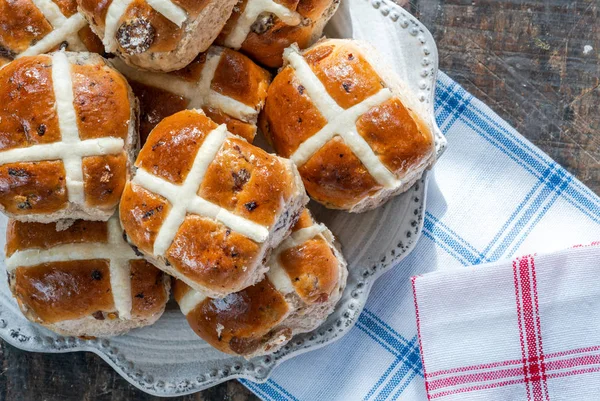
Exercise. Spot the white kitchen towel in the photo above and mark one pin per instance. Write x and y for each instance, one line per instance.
(492, 195)
(521, 329)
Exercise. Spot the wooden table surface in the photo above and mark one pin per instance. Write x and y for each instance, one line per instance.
(536, 63)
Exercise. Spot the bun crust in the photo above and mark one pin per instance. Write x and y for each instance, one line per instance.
(68, 133)
(82, 281)
(225, 84)
(262, 29)
(29, 29)
(207, 207)
(164, 36)
(306, 279)
(356, 132)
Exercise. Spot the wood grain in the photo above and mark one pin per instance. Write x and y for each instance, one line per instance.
(530, 61)
(536, 63)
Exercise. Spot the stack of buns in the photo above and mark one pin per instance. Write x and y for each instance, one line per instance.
(127, 165)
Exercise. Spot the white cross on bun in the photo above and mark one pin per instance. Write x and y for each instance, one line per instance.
(262, 29)
(157, 35)
(32, 27)
(357, 133)
(68, 134)
(229, 87)
(208, 207)
(306, 279)
(83, 281)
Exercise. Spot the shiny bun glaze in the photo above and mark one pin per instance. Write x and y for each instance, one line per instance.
(306, 279)
(161, 35)
(67, 134)
(356, 132)
(84, 280)
(229, 87)
(207, 206)
(262, 29)
(30, 28)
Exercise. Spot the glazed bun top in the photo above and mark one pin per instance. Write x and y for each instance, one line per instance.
(306, 278)
(84, 271)
(137, 26)
(159, 35)
(264, 28)
(207, 206)
(352, 127)
(67, 123)
(229, 87)
(32, 27)
(307, 263)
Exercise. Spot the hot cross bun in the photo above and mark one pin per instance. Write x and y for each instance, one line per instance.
(206, 206)
(306, 279)
(262, 29)
(67, 137)
(82, 281)
(356, 132)
(225, 84)
(32, 27)
(157, 35)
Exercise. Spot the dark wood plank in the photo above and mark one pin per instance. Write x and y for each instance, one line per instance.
(525, 59)
(536, 63)
(83, 377)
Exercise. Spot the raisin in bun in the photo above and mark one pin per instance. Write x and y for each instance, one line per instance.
(357, 133)
(82, 281)
(306, 279)
(157, 35)
(32, 27)
(262, 29)
(68, 132)
(206, 206)
(225, 84)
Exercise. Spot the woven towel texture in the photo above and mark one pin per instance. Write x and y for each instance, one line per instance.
(492, 195)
